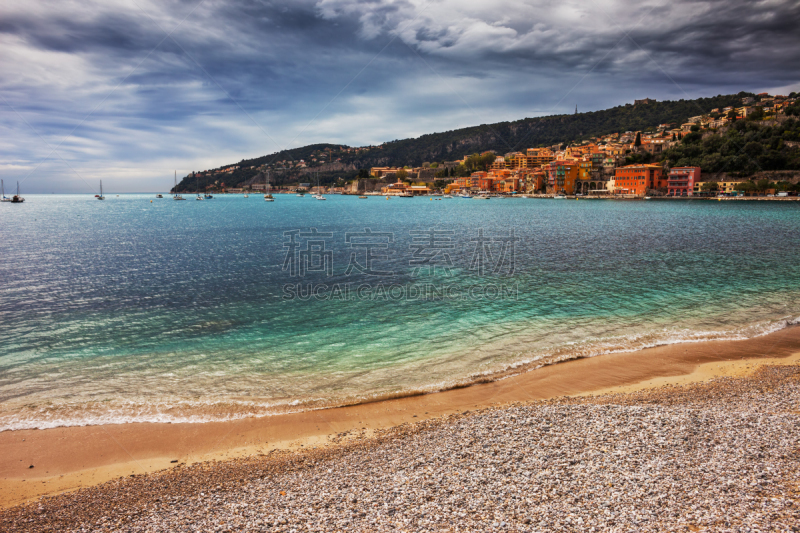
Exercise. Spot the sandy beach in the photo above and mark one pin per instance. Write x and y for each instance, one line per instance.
(46, 462)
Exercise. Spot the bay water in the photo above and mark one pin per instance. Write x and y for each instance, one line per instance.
(140, 309)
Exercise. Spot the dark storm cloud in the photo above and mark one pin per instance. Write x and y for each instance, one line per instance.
(247, 77)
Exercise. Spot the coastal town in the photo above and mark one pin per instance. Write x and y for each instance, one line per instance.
(252, 280)
(617, 165)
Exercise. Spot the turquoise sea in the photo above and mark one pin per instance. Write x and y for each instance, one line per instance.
(145, 309)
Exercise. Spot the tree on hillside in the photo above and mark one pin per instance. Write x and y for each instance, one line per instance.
(638, 142)
(710, 186)
(401, 174)
(757, 114)
(793, 110)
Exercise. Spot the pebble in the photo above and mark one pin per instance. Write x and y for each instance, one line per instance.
(723, 455)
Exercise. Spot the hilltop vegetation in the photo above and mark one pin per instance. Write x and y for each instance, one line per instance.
(506, 137)
(743, 148)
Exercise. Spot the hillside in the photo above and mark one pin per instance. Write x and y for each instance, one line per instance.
(502, 137)
(741, 149)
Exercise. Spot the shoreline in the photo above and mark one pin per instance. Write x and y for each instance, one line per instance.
(69, 458)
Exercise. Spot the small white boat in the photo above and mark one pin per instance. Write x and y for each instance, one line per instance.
(197, 188)
(159, 196)
(465, 196)
(246, 195)
(3, 193)
(646, 197)
(446, 196)
(559, 197)
(177, 196)
(482, 197)
(268, 196)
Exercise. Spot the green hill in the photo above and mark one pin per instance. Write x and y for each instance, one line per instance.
(741, 149)
(502, 137)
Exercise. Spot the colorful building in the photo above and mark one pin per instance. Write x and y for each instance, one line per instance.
(681, 180)
(727, 187)
(638, 179)
(537, 157)
(562, 176)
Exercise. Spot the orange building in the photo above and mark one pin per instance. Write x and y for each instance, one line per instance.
(462, 183)
(484, 182)
(537, 157)
(562, 176)
(499, 163)
(638, 179)
(535, 180)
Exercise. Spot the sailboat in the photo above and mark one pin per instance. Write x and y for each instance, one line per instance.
(267, 196)
(177, 196)
(101, 197)
(319, 195)
(246, 195)
(197, 187)
(3, 192)
(17, 199)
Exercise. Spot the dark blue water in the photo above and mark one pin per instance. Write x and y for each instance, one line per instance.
(129, 310)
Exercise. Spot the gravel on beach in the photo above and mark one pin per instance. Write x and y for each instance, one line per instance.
(723, 455)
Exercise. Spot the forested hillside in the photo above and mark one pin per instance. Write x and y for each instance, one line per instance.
(502, 137)
(743, 148)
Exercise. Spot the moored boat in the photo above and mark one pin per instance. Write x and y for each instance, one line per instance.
(3, 192)
(17, 198)
(177, 196)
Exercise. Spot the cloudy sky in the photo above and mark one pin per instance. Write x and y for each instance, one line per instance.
(130, 90)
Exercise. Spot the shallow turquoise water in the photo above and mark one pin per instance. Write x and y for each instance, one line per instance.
(127, 310)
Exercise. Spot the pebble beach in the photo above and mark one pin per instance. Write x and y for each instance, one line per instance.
(722, 455)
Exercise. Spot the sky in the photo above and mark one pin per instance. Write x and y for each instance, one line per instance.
(129, 91)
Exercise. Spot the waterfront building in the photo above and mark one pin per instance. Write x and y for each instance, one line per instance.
(638, 179)
(562, 175)
(681, 181)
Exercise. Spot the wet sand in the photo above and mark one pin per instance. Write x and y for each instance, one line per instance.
(65, 459)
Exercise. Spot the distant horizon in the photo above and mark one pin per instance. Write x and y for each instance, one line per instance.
(129, 93)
